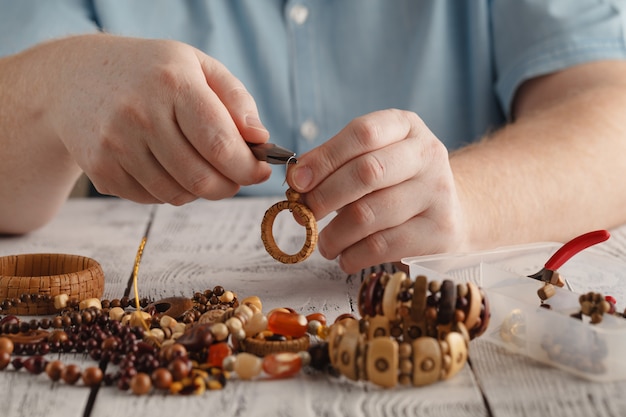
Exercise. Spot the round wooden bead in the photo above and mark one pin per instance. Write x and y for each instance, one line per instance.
(140, 384)
(162, 378)
(6, 345)
(54, 370)
(92, 376)
(5, 359)
(70, 374)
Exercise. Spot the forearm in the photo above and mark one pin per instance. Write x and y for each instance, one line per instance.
(37, 172)
(554, 173)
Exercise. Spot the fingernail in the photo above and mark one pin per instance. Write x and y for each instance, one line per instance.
(302, 177)
(255, 123)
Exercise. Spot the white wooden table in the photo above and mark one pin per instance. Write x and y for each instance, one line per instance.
(204, 244)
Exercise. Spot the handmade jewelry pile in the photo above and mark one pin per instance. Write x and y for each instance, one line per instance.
(409, 333)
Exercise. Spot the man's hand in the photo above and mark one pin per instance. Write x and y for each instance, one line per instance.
(154, 121)
(389, 179)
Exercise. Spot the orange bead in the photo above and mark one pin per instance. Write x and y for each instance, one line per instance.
(287, 324)
(317, 316)
(282, 365)
(217, 353)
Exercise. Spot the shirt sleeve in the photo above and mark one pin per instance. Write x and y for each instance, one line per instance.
(536, 37)
(25, 23)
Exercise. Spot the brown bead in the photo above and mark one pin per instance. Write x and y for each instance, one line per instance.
(162, 378)
(171, 352)
(35, 364)
(174, 307)
(54, 370)
(58, 336)
(459, 316)
(57, 322)
(92, 376)
(140, 384)
(5, 359)
(179, 368)
(71, 374)
(6, 345)
(110, 343)
(546, 291)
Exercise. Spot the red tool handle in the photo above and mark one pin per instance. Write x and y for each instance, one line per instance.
(574, 246)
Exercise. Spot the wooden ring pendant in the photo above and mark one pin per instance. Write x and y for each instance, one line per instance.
(292, 204)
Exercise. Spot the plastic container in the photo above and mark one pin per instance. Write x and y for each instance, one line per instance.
(518, 321)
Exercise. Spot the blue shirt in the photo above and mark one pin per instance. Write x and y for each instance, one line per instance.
(313, 65)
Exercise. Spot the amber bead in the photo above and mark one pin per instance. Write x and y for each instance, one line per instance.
(140, 384)
(162, 378)
(92, 376)
(287, 324)
(6, 345)
(71, 374)
(282, 365)
(217, 353)
(317, 316)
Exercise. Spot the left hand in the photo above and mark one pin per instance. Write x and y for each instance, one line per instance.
(389, 179)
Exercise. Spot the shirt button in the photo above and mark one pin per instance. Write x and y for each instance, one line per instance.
(309, 130)
(299, 14)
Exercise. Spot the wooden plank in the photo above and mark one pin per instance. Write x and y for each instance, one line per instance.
(515, 385)
(204, 244)
(107, 230)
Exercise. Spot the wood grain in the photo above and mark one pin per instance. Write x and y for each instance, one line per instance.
(204, 244)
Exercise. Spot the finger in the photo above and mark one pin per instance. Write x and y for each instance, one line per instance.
(385, 167)
(237, 100)
(208, 126)
(383, 209)
(183, 174)
(361, 136)
(117, 182)
(419, 236)
(155, 177)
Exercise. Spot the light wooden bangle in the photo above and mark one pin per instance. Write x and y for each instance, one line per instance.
(303, 213)
(48, 274)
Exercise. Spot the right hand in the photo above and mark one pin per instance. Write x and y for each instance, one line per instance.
(154, 121)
